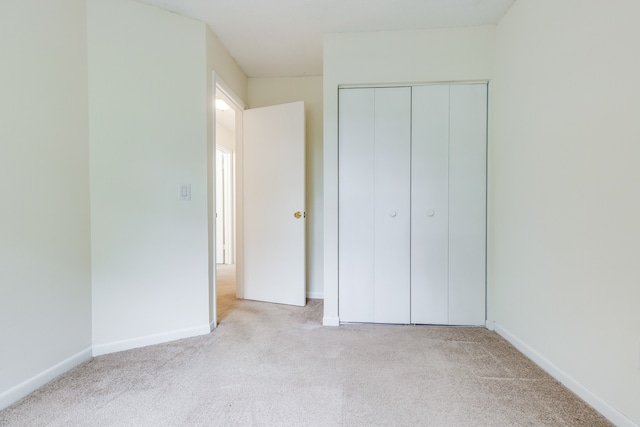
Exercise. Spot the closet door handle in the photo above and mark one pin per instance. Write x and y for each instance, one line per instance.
(430, 213)
(393, 213)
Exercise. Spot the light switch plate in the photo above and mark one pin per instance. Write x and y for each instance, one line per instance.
(184, 192)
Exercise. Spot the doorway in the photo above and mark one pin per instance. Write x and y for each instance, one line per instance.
(226, 117)
(258, 146)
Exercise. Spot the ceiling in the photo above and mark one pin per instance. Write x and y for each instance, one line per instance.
(283, 38)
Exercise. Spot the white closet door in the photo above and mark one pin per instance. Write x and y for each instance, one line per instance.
(430, 205)
(356, 205)
(392, 181)
(374, 205)
(467, 204)
(412, 204)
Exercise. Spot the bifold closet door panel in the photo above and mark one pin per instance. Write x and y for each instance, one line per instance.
(392, 206)
(429, 205)
(412, 204)
(356, 205)
(467, 204)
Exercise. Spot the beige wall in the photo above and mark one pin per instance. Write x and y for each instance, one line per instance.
(271, 91)
(564, 275)
(228, 72)
(149, 116)
(389, 57)
(45, 253)
(135, 84)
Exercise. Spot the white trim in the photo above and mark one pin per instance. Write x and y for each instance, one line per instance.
(229, 93)
(612, 414)
(330, 321)
(315, 295)
(490, 325)
(212, 325)
(411, 84)
(16, 393)
(238, 194)
(129, 344)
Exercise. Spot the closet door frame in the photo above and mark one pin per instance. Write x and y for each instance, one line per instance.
(472, 302)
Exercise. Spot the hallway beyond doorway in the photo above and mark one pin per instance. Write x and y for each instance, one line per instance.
(226, 289)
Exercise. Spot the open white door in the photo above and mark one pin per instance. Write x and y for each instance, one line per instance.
(274, 209)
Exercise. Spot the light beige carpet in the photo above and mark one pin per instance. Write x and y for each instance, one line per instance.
(274, 365)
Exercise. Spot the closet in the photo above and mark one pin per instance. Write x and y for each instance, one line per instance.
(412, 204)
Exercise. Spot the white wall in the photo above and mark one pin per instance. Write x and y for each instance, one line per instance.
(461, 54)
(149, 117)
(564, 241)
(271, 91)
(45, 264)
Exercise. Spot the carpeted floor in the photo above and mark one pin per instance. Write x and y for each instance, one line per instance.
(274, 365)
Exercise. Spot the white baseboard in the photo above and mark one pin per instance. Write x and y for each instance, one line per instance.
(331, 321)
(315, 295)
(16, 393)
(212, 326)
(608, 411)
(129, 344)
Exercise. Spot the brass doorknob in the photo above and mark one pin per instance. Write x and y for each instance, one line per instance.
(298, 214)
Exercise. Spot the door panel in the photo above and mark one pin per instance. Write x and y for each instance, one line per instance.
(356, 203)
(374, 205)
(273, 190)
(467, 204)
(392, 207)
(430, 205)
